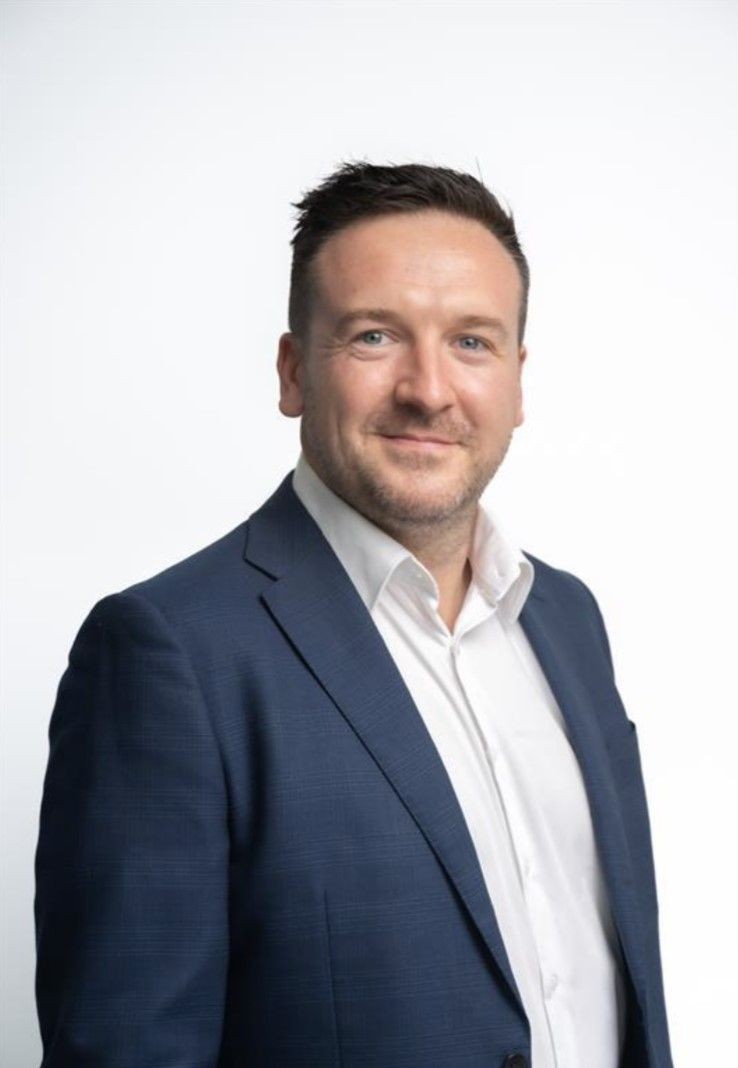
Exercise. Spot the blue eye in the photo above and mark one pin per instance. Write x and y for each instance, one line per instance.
(362, 337)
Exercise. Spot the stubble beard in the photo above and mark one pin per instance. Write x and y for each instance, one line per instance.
(363, 484)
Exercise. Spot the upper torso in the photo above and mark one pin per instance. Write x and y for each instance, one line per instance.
(499, 731)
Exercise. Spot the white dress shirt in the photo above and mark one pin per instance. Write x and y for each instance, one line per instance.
(499, 731)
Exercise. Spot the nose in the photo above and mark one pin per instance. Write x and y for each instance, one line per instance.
(423, 379)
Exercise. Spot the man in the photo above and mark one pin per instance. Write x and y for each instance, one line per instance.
(354, 785)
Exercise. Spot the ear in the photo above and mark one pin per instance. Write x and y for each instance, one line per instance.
(290, 370)
(520, 416)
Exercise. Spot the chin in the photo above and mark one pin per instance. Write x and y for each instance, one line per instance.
(423, 503)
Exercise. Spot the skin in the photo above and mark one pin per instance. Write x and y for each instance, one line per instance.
(365, 388)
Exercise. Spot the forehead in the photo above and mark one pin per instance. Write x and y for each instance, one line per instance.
(430, 259)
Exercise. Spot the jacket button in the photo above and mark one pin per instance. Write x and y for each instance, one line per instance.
(515, 1060)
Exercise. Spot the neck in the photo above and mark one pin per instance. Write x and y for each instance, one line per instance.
(445, 552)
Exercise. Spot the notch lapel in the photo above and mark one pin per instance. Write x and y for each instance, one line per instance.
(579, 694)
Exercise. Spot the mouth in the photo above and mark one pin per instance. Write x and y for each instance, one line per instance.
(417, 441)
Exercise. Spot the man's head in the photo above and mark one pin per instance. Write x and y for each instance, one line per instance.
(432, 262)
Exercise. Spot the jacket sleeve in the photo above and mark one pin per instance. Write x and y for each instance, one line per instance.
(131, 865)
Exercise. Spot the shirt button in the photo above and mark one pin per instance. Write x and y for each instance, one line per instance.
(515, 1060)
(526, 866)
(551, 984)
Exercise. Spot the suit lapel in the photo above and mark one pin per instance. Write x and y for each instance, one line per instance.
(579, 694)
(317, 606)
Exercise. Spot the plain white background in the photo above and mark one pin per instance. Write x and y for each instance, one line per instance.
(151, 151)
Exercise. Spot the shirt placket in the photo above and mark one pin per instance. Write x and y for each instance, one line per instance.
(536, 906)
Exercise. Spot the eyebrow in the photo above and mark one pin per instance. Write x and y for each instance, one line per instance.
(387, 315)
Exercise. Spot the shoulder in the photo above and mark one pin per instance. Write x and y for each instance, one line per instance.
(572, 602)
(201, 577)
(209, 586)
(558, 582)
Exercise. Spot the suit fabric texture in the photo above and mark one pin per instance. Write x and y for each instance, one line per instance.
(250, 853)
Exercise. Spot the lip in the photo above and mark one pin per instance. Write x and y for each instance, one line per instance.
(407, 441)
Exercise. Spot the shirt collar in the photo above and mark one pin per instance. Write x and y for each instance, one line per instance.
(370, 556)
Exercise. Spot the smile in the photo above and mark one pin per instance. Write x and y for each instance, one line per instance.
(423, 444)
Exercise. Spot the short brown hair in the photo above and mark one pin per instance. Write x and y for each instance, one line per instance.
(359, 190)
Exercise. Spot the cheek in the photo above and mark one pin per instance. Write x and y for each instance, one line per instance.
(491, 409)
(358, 391)
(496, 391)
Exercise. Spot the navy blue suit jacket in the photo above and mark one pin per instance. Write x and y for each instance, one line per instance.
(250, 852)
